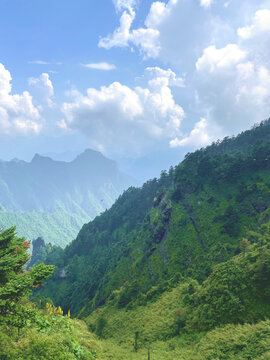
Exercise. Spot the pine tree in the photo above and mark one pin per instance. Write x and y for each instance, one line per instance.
(15, 282)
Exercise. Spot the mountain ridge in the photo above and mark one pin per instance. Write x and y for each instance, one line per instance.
(176, 269)
(80, 189)
(185, 222)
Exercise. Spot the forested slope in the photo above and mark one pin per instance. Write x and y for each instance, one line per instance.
(177, 269)
(178, 226)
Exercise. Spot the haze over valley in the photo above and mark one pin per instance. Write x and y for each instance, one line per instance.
(53, 199)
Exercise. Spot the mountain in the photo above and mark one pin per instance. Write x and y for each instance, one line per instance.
(53, 199)
(180, 225)
(176, 269)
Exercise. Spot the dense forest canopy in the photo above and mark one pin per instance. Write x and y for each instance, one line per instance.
(182, 224)
(178, 268)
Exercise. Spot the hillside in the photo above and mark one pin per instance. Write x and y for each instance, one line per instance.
(177, 269)
(197, 321)
(225, 318)
(178, 226)
(53, 199)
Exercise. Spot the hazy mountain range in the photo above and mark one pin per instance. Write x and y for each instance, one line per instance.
(53, 199)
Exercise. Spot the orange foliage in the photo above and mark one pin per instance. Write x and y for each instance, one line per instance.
(26, 244)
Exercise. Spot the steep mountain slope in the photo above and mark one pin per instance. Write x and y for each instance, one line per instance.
(237, 291)
(179, 226)
(53, 199)
(231, 307)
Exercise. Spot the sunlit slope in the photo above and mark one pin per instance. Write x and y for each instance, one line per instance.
(180, 225)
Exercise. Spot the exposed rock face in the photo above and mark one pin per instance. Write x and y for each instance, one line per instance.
(166, 211)
(37, 244)
(158, 232)
(158, 228)
(260, 206)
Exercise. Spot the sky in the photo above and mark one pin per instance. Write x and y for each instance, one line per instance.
(130, 77)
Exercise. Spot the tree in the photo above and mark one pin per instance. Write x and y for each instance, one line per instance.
(15, 282)
(244, 244)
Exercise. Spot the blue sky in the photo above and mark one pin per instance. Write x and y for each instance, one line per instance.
(130, 77)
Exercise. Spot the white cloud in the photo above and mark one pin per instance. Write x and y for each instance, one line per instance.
(253, 85)
(121, 35)
(169, 76)
(145, 38)
(198, 136)
(18, 115)
(38, 62)
(100, 66)
(159, 11)
(261, 23)
(216, 59)
(42, 62)
(233, 82)
(134, 119)
(62, 124)
(206, 3)
(124, 4)
(42, 89)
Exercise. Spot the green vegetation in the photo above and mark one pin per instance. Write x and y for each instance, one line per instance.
(237, 291)
(163, 323)
(49, 336)
(180, 225)
(27, 332)
(32, 224)
(177, 269)
(15, 282)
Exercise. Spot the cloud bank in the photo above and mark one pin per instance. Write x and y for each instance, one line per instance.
(42, 89)
(130, 120)
(18, 115)
(146, 39)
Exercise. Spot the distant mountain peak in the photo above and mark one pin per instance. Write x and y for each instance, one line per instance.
(89, 154)
(54, 198)
(92, 157)
(39, 158)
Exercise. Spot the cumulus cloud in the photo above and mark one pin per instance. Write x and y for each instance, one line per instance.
(121, 36)
(233, 82)
(100, 66)
(261, 23)
(145, 38)
(159, 11)
(134, 119)
(169, 76)
(199, 136)
(206, 3)
(124, 4)
(42, 89)
(218, 59)
(18, 115)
